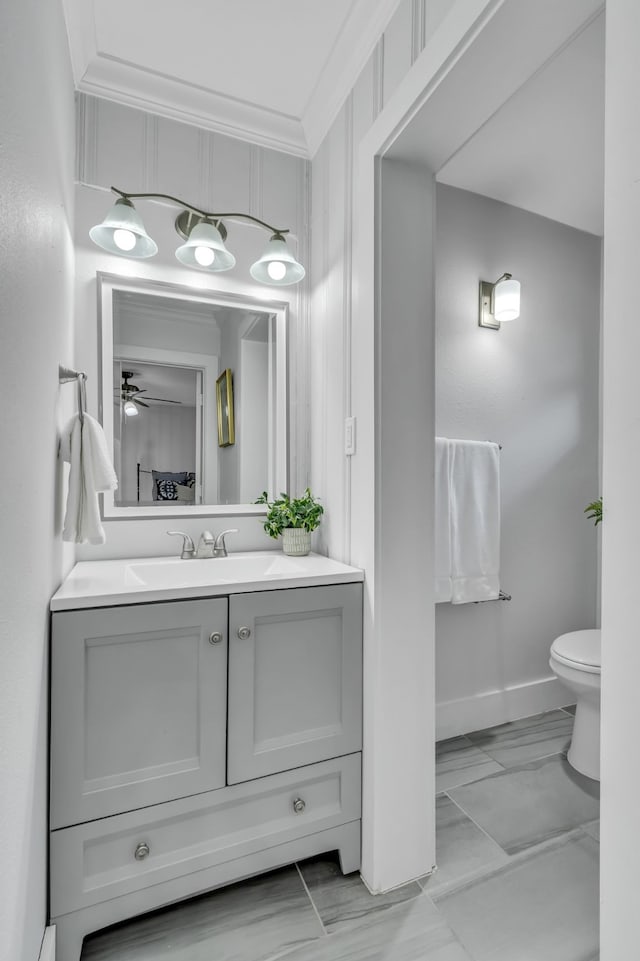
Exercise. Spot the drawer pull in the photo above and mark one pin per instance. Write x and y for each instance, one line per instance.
(142, 851)
(298, 805)
(244, 633)
(215, 637)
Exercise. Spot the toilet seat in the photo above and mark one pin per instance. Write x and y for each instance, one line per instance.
(580, 650)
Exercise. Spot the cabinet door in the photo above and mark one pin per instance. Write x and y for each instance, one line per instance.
(138, 706)
(295, 678)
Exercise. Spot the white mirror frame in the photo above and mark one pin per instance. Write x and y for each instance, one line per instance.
(107, 284)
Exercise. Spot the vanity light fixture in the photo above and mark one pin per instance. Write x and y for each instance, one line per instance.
(499, 302)
(122, 232)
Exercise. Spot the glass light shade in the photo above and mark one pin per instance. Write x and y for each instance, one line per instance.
(506, 300)
(122, 232)
(130, 409)
(204, 240)
(277, 266)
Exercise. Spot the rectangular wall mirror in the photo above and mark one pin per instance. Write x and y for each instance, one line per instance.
(164, 349)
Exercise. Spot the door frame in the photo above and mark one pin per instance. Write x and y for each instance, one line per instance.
(452, 89)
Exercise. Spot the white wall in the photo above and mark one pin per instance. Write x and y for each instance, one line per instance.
(532, 386)
(620, 888)
(141, 152)
(252, 411)
(170, 328)
(36, 311)
(334, 170)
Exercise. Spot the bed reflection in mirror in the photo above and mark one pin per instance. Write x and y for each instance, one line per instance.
(167, 350)
(157, 433)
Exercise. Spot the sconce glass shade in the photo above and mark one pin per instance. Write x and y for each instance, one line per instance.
(506, 300)
(277, 266)
(205, 250)
(122, 232)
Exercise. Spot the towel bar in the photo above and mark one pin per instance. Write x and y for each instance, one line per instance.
(501, 597)
(68, 376)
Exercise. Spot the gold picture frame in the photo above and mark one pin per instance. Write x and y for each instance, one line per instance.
(224, 403)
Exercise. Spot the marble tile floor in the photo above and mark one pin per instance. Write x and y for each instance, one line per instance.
(517, 835)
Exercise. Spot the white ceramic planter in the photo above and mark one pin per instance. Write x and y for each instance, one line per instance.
(296, 541)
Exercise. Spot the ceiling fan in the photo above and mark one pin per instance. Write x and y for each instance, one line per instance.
(130, 395)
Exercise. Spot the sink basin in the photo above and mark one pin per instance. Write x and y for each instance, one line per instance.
(161, 573)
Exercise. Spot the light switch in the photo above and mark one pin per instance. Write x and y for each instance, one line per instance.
(349, 436)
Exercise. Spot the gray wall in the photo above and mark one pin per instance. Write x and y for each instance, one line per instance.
(36, 308)
(533, 387)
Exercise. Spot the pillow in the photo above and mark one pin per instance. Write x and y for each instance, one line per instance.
(185, 493)
(166, 490)
(179, 477)
(191, 480)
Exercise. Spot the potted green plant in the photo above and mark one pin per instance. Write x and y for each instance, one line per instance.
(293, 517)
(596, 511)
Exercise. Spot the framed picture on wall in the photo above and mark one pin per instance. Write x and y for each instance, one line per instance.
(224, 401)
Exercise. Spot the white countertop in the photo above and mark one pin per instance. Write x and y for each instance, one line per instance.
(144, 579)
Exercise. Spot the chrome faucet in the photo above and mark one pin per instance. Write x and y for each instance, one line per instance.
(208, 545)
(220, 547)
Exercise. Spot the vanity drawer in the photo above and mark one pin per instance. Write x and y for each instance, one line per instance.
(104, 859)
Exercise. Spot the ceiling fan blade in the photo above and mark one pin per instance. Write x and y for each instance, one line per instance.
(164, 400)
(140, 403)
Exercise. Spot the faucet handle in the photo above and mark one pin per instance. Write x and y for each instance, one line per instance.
(188, 550)
(220, 547)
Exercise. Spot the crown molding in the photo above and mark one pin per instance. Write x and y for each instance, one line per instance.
(80, 23)
(107, 77)
(167, 97)
(361, 32)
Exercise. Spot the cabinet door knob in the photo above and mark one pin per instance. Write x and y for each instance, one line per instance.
(215, 637)
(298, 805)
(142, 851)
(244, 633)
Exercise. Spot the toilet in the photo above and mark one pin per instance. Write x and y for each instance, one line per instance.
(575, 659)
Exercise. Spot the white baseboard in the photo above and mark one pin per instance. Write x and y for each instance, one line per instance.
(497, 707)
(48, 949)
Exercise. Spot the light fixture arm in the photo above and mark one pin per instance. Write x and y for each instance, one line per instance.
(206, 215)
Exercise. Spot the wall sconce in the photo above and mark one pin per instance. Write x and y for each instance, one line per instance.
(122, 232)
(499, 302)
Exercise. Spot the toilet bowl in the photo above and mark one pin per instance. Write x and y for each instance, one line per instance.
(575, 659)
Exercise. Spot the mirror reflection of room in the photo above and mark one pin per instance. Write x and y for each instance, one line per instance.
(167, 355)
(159, 409)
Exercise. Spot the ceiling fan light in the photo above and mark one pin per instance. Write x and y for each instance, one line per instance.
(130, 409)
(122, 232)
(277, 266)
(204, 249)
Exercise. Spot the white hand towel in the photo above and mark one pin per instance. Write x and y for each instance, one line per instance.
(84, 446)
(442, 529)
(475, 521)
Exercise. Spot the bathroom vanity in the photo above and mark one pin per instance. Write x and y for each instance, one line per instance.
(205, 726)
